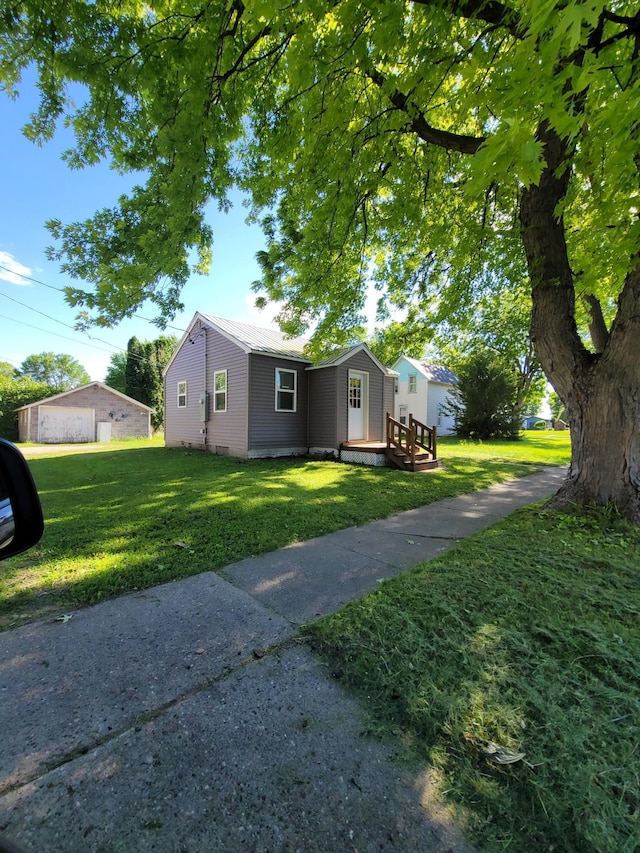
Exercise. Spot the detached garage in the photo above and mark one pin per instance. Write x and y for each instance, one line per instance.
(93, 412)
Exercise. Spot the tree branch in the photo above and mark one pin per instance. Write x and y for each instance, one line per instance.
(490, 11)
(597, 326)
(420, 126)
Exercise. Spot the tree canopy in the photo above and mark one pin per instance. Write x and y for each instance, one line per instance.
(482, 401)
(60, 371)
(115, 375)
(143, 380)
(16, 392)
(418, 144)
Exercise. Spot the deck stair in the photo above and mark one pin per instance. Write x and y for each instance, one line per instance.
(411, 446)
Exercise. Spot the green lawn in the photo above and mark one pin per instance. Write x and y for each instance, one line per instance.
(127, 516)
(526, 636)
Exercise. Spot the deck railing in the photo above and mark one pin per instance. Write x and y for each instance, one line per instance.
(425, 436)
(402, 437)
(411, 438)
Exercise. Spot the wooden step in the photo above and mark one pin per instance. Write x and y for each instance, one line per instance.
(402, 460)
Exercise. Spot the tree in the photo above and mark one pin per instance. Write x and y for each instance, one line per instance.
(417, 143)
(145, 363)
(136, 372)
(15, 393)
(496, 332)
(557, 409)
(482, 402)
(58, 371)
(115, 375)
(7, 371)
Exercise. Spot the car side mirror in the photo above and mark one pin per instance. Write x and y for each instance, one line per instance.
(21, 523)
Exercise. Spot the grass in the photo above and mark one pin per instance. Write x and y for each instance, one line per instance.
(528, 636)
(127, 516)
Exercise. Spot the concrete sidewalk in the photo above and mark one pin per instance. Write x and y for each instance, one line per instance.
(189, 718)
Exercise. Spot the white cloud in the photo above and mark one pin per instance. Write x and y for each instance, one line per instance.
(12, 270)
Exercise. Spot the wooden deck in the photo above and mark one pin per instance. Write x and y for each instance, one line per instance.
(365, 446)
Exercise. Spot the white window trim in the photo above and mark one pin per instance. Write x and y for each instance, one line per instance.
(413, 390)
(364, 399)
(182, 394)
(216, 392)
(293, 391)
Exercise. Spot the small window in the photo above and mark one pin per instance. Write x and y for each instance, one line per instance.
(220, 391)
(182, 395)
(403, 415)
(285, 390)
(412, 383)
(440, 414)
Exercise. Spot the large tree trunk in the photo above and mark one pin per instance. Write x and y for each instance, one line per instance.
(601, 392)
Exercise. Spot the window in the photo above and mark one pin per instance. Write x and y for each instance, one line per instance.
(440, 414)
(355, 392)
(412, 383)
(220, 391)
(403, 415)
(182, 395)
(285, 390)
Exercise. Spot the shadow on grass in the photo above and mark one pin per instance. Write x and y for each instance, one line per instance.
(527, 636)
(132, 518)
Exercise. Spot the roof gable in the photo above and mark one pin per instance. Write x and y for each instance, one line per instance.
(250, 339)
(343, 355)
(81, 388)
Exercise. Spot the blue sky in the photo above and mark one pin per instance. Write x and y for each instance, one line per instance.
(36, 185)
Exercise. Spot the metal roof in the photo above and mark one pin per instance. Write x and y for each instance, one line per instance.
(259, 340)
(431, 372)
(344, 353)
(439, 373)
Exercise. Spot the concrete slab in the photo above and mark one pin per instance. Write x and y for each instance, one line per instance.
(313, 578)
(270, 758)
(187, 718)
(65, 686)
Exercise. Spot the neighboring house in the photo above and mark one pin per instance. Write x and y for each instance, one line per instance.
(92, 412)
(236, 389)
(423, 390)
(537, 422)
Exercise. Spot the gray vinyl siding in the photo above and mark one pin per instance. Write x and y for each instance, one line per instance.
(322, 408)
(269, 429)
(182, 426)
(361, 361)
(224, 432)
(227, 431)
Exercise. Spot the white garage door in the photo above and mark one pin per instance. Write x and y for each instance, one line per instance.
(57, 425)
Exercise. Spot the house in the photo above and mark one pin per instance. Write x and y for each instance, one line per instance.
(92, 412)
(236, 389)
(423, 390)
(537, 422)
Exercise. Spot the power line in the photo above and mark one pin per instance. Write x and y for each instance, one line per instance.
(53, 319)
(58, 335)
(61, 290)
(29, 278)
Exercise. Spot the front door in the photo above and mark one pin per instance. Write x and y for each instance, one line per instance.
(357, 406)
